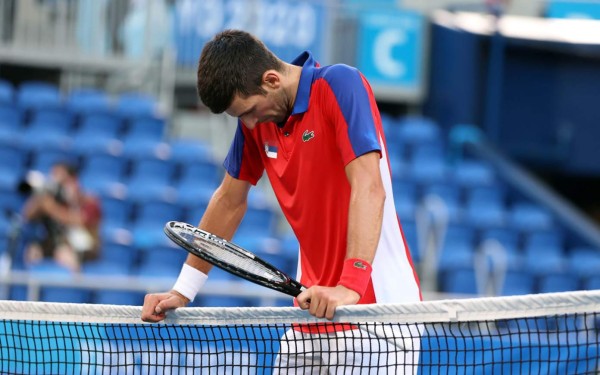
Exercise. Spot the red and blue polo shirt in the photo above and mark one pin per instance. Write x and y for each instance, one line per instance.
(334, 120)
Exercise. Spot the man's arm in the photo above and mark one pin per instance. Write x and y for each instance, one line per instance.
(365, 213)
(365, 217)
(223, 214)
(222, 217)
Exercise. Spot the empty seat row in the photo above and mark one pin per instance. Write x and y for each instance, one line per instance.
(35, 95)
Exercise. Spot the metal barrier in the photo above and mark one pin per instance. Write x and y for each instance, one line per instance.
(118, 45)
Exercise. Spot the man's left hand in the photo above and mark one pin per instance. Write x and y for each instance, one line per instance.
(321, 301)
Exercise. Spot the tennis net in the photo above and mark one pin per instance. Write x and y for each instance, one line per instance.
(535, 334)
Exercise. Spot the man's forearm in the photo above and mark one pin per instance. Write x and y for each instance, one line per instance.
(365, 217)
(222, 216)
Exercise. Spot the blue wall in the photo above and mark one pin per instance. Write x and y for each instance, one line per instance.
(537, 101)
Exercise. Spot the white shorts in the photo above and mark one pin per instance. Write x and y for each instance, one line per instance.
(382, 349)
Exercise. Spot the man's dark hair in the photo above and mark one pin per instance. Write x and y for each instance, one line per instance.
(233, 62)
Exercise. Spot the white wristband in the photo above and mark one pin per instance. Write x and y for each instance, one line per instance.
(190, 281)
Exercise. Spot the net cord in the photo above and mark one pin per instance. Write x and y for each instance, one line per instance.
(455, 310)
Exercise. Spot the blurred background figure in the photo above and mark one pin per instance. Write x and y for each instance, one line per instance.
(66, 220)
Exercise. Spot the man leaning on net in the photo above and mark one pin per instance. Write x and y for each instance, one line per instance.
(317, 133)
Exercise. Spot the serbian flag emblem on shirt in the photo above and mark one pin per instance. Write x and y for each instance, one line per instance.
(271, 151)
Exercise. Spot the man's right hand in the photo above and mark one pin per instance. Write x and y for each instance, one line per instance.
(156, 305)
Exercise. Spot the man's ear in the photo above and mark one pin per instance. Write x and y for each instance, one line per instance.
(271, 79)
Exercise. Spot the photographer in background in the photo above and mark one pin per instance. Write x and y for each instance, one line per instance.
(68, 220)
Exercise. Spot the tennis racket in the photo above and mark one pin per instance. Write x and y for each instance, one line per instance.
(231, 258)
(242, 263)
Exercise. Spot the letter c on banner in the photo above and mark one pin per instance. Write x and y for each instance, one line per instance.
(382, 53)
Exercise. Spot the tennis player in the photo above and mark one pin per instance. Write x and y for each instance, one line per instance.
(317, 133)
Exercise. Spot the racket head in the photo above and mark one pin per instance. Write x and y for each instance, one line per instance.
(230, 257)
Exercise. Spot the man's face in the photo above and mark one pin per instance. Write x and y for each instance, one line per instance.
(252, 110)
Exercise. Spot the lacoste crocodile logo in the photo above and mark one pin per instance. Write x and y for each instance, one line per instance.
(308, 135)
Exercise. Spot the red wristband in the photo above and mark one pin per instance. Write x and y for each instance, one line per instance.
(356, 275)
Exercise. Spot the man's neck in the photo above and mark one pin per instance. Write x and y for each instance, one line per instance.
(292, 81)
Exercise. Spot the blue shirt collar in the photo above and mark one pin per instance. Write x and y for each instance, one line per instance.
(308, 64)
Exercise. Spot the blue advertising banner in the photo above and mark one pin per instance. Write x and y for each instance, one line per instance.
(574, 9)
(391, 48)
(287, 27)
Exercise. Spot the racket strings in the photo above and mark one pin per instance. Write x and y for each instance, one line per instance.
(227, 254)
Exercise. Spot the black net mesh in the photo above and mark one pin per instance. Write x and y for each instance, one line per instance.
(551, 344)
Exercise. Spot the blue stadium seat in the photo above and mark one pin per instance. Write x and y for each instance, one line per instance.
(197, 182)
(257, 198)
(87, 100)
(149, 222)
(518, 283)
(12, 167)
(7, 92)
(476, 195)
(427, 170)
(11, 201)
(290, 245)
(508, 238)
(37, 95)
(552, 237)
(405, 194)
(460, 234)
(427, 151)
(152, 179)
(11, 124)
(584, 261)
(485, 214)
(39, 137)
(144, 148)
(459, 281)
(144, 138)
(117, 211)
(103, 123)
(528, 217)
(485, 207)
(409, 229)
(592, 283)
(163, 254)
(417, 129)
(509, 241)
(85, 142)
(105, 267)
(193, 214)
(545, 260)
(258, 221)
(104, 174)
(49, 128)
(43, 160)
(190, 151)
(471, 173)
(406, 207)
(132, 105)
(152, 271)
(5, 226)
(113, 253)
(146, 128)
(558, 283)
(98, 133)
(398, 167)
(53, 117)
(455, 256)
(449, 195)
